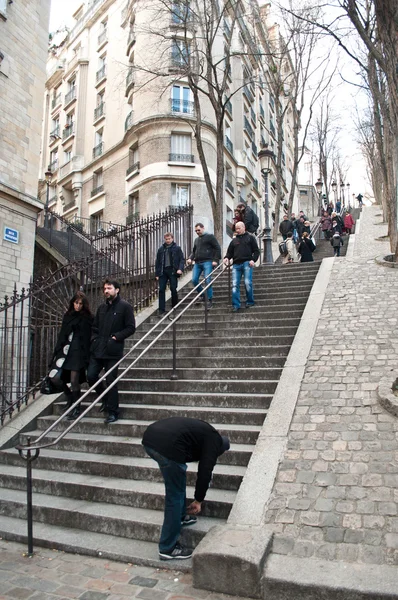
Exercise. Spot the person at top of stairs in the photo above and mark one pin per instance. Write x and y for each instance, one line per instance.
(113, 323)
(172, 443)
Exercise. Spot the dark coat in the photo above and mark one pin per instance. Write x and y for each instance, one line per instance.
(80, 325)
(177, 259)
(205, 248)
(187, 440)
(250, 219)
(306, 248)
(112, 319)
(285, 227)
(243, 248)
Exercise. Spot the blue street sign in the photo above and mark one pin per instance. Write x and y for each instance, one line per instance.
(11, 235)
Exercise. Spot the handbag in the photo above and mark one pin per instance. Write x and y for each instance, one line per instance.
(47, 386)
(56, 369)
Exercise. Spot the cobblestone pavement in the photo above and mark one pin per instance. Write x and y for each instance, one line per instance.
(336, 494)
(53, 575)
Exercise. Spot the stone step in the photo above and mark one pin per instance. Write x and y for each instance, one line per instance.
(269, 345)
(203, 391)
(223, 329)
(247, 318)
(68, 539)
(205, 374)
(198, 352)
(224, 476)
(239, 434)
(114, 491)
(216, 362)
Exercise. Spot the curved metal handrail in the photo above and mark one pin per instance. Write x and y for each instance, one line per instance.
(27, 448)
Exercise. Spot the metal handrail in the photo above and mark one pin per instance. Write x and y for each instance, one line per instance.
(22, 448)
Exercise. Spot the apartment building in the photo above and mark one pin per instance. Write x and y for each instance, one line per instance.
(23, 55)
(119, 117)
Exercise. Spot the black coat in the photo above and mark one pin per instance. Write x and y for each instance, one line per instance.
(205, 248)
(177, 259)
(306, 248)
(243, 248)
(285, 227)
(250, 219)
(80, 325)
(112, 319)
(187, 440)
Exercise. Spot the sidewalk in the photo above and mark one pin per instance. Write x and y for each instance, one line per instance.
(53, 575)
(336, 493)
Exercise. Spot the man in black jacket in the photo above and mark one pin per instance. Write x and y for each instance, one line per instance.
(172, 443)
(168, 267)
(206, 254)
(285, 226)
(250, 219)
(244, 251)
(113, 323)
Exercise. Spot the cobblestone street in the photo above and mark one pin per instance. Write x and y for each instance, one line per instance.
(336, 495)
(53, 575)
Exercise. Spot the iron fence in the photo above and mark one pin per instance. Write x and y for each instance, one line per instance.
(30, 320)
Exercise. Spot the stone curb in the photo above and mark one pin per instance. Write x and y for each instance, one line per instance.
(385, 263)
(255, 490)
(387, 399)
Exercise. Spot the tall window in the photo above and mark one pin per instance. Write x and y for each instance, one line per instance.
(179, 194)
(179, 53)
(134, 206)
(96, 222)
(181, 147)
(67, 155)
(182, 99)
(133, 156)
(180, 11)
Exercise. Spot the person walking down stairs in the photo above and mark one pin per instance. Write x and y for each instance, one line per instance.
(336, 243)
(244, 252)
(172, 443)
(113, 323)
(206, 255)
(168, 267)
(292, 255)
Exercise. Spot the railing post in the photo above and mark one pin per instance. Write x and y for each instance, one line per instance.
(174, 375)
(29, 503)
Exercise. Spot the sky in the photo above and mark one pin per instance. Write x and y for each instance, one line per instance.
(346, 98)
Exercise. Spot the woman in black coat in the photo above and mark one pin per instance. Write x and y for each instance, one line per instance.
(306, 248)
(72, 350)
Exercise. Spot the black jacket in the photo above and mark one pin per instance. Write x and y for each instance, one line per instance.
(177, 259)
(187, 440)
(250, 219)
(306, 248)
(116, 319)
(285, 227)
(242, 248)
(80, 325)
(206, 247)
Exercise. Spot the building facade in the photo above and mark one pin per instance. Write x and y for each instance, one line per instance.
(23, 55)
(119, 117)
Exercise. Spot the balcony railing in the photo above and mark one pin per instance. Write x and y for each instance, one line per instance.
(98, 150)
(99, 111)
(70, 96)
(262, 141)
(255, 184)
(101, 74)
(179, 60)
(228, 107)
(53, 166)
(129, 121)
(229, 145)
(248, 93)
(55, 134)
(248, 128)
(97, 190)
(102, 38)
(253, 116)
(56, 101)
(229, 186)
(133, 168)
(131, 40)
(254, 149)
(68, 131)
(182, 106)
(130, 79)
(262, 113)
(272, 127)
(186, 158)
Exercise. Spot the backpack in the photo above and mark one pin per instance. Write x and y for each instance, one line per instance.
(283, 248)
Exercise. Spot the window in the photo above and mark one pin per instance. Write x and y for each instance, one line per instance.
(99, 145)
(179, 194)
(133, 156)
(134, 208)
(71, 95)
(54, 133)
(3, 6)
(180, 11)
(67, 155)
(181, 147)
(98, 183)
(53, 166)
(98, 136)
(180, 53)
(101, 68)
(182, 99)
(96, 222)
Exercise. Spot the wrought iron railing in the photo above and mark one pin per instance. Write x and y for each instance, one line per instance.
(103, 37)
(248, 128)
(97, 190)
(30, 320)
(99, 111)
(134, 168)
(229, 145)
(182, 106)
(68, 131)
(56, 100)
(187, 158)
(229, 186)
(98, 150)
(100, 74)
(71, 95)
(129, 121)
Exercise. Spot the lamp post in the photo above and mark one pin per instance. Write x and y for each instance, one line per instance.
(48, 176)
(318, 187)
(342, 197)
(334, 188)
(348, 195)
(266, 158)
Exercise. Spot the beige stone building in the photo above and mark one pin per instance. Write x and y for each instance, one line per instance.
(119, 118)
(23, 55)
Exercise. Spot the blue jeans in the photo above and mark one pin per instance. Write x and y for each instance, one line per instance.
(175, 480)
(237, 272)
(205, 268)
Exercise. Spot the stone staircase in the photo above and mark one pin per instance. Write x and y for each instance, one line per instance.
(96, 492)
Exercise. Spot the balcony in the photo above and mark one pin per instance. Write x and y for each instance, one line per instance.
(253, 117)
(55, 135)
(97, 190)
(184, 158)
(100, 75)
(53, 166)
(229, 145)
(229, 187)
(56, 101)
(254, 149)
(262, 113)
(248, 128)
(99, 111)
(65, 169)
(70, 97)
(68, 131)
(272, 128)
(131, 41)
(98, 150)
(248, 93)
(228, 107)
(182, 106)
(134, 168)
(262, 141)
(102, 38)
(255, 185)
(130, 81)
(129, 121)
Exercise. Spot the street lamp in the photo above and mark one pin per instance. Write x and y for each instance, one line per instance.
(318, 187)
(48, 176)
(266, 158)
(342, 197)
(334, 188)
(348, 195)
